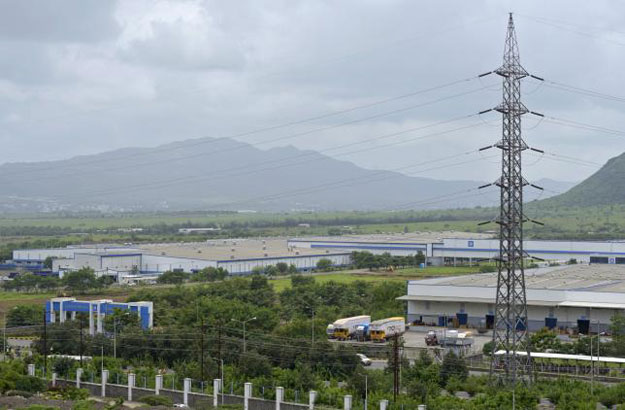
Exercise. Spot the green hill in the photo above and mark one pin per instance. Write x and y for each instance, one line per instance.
(605, 187)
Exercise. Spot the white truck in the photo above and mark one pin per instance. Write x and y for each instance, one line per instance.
(383, 329)
(449, 338)
(345, 328)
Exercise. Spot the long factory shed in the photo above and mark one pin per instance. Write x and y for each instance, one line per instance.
(448, 249)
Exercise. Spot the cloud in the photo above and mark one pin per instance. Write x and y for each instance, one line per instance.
(79, 76)
(57, 21)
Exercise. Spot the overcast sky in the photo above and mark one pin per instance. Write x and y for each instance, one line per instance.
(80, 77)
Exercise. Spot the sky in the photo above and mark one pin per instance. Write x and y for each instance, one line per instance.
(384, 84)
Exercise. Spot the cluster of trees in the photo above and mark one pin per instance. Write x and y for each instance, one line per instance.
(279, 269)
(367, 260)
(80, 281)
(280, 349)
(177, 277)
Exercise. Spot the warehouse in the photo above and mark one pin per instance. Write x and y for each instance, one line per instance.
(238, 256)
(466, 247)
(563, 297)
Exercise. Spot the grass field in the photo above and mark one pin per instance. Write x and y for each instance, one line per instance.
(400, 275)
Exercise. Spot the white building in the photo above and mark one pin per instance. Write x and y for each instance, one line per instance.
(563, 297)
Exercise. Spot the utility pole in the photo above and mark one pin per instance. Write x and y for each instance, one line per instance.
(81, 340)
(202, 350)
(45, 345)
(115, 338)
(4, 336)
(395, 366)
(244, 322)
(510, 332)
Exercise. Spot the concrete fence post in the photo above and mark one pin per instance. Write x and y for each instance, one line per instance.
(312, 396)
(247, 393)
(53, 379)
(78, 377)
(383, 404)
(216, 390)
(186, 389)
(105, 379)
(31, 369)
(131, 384)
(347, 402)
(158, 384)
(279, 396)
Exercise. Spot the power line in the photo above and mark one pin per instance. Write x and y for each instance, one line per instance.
(181, 180)
(169, 149)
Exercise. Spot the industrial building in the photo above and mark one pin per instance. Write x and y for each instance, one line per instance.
(463, 247)
(67, 308)
(564, 297)
(143, 262)
(241, 256)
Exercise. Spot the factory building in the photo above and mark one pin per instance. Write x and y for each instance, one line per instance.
(66, 309)
(564, 297)
(144, 262)
(448, 250)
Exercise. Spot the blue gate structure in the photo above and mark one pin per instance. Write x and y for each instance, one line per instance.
(66, 308)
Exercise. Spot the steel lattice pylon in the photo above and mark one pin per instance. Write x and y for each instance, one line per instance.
(510, 322)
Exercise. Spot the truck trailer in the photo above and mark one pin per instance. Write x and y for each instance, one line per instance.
(346, 328)
(383, 329)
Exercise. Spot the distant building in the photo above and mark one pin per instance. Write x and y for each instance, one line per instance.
(188, 231)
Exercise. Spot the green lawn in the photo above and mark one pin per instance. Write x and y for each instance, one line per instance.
(401, 275)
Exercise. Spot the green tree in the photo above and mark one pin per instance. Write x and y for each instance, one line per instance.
(324, 264)
(282, 267)
(25, 315)
(173, 277)
(47, 263)
(81, 280)
(453, 366)
(209, 274)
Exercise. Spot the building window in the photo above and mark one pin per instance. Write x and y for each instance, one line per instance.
(427, 305)
(462, 307)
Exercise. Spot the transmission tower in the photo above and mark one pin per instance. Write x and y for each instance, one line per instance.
(510, 333)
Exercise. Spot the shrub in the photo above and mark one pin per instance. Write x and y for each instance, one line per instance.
(84, 405)
(67, 393)
(157, 401)
(41, 407)
(22, 393)
(30, 384)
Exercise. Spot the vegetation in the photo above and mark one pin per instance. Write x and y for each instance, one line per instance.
(157, 401)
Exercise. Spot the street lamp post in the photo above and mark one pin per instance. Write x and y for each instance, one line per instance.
(244, 322)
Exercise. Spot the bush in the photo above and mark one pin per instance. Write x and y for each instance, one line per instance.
(324, 264)
(157, 401)
(67, 393)
(84, 405)
(22, 393)
(41, 407)
(488, 268)
(30, 384)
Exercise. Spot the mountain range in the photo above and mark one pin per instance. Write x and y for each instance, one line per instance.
(224, 174)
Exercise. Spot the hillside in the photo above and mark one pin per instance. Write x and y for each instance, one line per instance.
(221, 174)
(604, 187)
